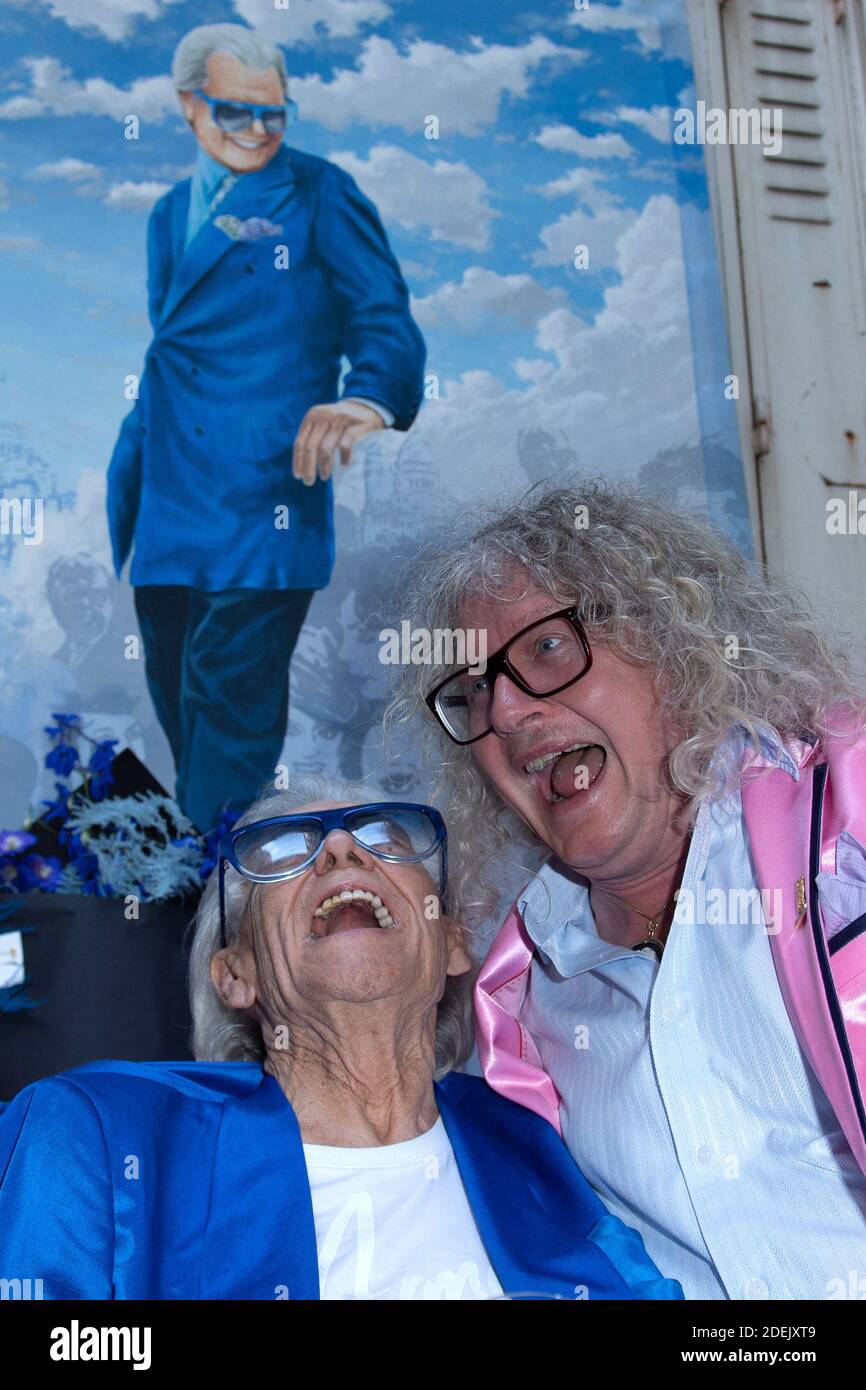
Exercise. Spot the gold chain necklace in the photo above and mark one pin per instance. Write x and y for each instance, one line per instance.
(651, 939)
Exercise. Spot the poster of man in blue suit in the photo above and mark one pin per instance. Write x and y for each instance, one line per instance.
(266, 269)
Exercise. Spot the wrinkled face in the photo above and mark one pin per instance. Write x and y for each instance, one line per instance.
(228, 79)
(584, 768)
(311, 944)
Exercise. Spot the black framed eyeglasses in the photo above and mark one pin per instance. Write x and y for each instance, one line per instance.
(232, 116)
(542, 659)
(281, 847)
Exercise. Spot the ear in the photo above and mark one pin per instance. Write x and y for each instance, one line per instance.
(187, 105)
(459, 959)
(227, 977)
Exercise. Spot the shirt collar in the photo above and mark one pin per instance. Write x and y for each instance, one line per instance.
(556, 913)
(209, 173)
(554, 905)
(738, 750)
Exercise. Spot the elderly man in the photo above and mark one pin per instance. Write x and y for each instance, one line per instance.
(265, 269)
(310, 1153)
(681, 987)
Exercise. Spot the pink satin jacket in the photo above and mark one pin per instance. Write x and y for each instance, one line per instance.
(807, 839)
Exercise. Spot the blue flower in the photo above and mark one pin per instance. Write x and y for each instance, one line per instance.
(62, 759)
(13, 841)
(9, 875)
(65, 721)
(84, 864)
(40, 871)
(66, 724)
(103, 755)
(59, 808)
(99, 785)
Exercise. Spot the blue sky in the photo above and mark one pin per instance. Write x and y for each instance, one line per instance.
(553, 130)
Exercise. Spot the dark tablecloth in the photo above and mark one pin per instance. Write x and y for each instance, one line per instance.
(112, 987)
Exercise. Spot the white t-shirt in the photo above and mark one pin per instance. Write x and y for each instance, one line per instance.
(393, 1223)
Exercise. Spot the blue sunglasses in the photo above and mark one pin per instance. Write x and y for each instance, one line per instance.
(232, 116)
(282, 847)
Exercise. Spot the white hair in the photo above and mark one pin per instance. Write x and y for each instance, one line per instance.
(189, 65)
(222, 1034)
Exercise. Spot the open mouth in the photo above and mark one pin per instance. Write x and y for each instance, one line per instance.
(351, 909)
(567, 772)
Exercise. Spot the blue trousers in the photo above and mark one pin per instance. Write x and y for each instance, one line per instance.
(217, 667)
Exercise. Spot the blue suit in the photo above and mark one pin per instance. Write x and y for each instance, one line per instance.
(175, 1180)
(201, 473)
(240, 352)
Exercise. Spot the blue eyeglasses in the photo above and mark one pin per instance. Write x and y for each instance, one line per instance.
(281, 847)
(232, 116)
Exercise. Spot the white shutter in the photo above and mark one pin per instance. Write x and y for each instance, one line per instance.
(792, 234)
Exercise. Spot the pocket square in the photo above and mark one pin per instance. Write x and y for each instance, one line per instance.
(251, 229)
(843, 894)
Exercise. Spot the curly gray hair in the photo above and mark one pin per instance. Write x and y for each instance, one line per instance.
(668, 592)
(221, 1034)
(189, 65)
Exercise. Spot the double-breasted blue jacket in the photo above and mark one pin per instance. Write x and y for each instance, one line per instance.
(179, 1180)
(290, 273)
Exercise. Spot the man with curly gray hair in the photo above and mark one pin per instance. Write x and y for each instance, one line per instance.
(681, 986)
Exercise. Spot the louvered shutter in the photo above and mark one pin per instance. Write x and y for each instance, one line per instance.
(800, 270)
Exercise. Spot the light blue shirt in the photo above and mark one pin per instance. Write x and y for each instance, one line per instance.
(687, 1101)
(208, 176)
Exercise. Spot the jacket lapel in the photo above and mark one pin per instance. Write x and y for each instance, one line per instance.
(179, 215)
(260, 1241)
(792, 829)
(254, 195)
(777, 813)
(509, 1057)
(533, 1208)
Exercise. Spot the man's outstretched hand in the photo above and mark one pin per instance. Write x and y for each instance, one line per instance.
(325, 428)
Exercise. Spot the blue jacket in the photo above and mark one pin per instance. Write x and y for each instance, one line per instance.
(241, 350)
(186, 1180)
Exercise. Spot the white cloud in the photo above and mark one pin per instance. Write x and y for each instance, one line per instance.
(449, 198)
(598, 231)
(483, 295)
(87, 180)
(619, 390)
(597, 221)
(665, 29)
(55, 92)
(584, 184)
(71, 170)
(657, 121)
(81, 529)
(19, 243)
(5, 202)
(305, 21)
(114, 19)
(137, 197)
(463, 90)
(302, 21)
(567, 140)
(603, 19)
